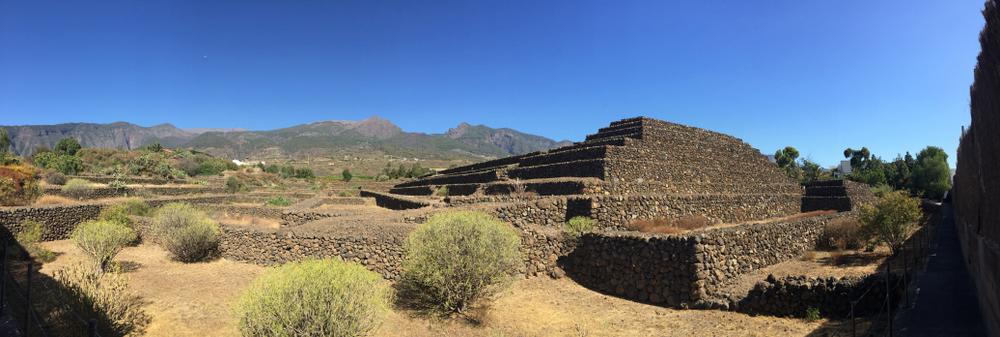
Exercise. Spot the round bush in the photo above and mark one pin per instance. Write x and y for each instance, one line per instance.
(78, 188)
(234, 185)
(118, 214)
(138, 207)
(578, 225)
(185, 231)
(313, 298)
(56, 179)
(101, 240)
(459, 257)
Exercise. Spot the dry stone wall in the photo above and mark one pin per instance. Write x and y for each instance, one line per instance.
(687, 270)
(395, 202)
(108, 192)
(792, 296)
(616, 212)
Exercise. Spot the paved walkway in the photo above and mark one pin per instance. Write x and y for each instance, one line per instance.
(943, 300)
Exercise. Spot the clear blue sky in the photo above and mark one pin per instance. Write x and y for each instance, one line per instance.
(817, 75)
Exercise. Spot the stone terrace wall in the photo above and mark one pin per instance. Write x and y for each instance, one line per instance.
(685, 270)
(130, 180)
(60, 220)
(617, 211)
(791, 296)
(395, 202)
(107, 192)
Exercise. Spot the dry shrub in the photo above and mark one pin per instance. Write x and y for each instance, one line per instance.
(840, 234)
(78, 188)
(102, 296)
(56, 179)
(49, 199)
(836, 257)
(186, 231)
(313, 298)
(809, 256)
(18, 186)
(663, 225)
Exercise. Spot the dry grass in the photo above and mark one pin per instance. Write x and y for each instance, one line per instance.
(193, 300)
(664, 225)
(808, 256)
(808, 214)
(246, 220)
(49, 199)
(836, 257)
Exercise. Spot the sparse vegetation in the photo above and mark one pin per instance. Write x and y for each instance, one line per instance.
(101, 295)
(101, 240)
(345, 194)
(442, 192)
(18, 185)
(578, 225)
(138, 207)
(812, 314)
(840, 234)
(279, 201)
(186, 232)
(56, 179)
(313, 298)
(809, 256)
(234, 185)
(459, 257)
(890, 220)
(30, 235)
(667, 226)
(78, 188)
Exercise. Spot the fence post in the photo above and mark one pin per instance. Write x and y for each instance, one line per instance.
(913, 246)
(92, 327)
(888, 300)
(27, 300)
(906, 292)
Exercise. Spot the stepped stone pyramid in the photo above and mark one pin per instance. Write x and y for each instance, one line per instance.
(635, 156)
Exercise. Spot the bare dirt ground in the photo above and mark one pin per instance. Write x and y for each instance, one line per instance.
(193, 300)
(855, 263)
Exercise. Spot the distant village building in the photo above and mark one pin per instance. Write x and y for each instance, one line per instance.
(843, 169)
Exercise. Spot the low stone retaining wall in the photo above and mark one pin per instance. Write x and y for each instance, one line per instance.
(391, 201)
(792, 296)
(108, 192)
(130, 180)
(684, 270)
(343, 201)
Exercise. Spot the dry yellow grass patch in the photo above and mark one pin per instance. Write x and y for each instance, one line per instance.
(246, 220)
(49, 199)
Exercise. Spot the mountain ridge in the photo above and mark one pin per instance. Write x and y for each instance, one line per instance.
(464, 140)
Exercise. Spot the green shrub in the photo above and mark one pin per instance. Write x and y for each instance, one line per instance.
(460, 257)
(56, 179)
(889, 221)
(279, 201)
(185, 231)
(234, 185)
(346, 175)
(100, 295)
(78, 188)
(345, 194)
(840, 233)
(304, 173)
(442, 192)
(118, 214)
(138, 207)
(578, 225)
(313, 298)
(66, 164)
(101, 240)
(118, 185)
(44, 255)
(881, 190)
(210, 168)
(30, 235)
(199, 182)
(812, 314)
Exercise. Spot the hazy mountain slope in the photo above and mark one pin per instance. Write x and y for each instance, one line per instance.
(510, 141)
(115, 135)
(464, 142)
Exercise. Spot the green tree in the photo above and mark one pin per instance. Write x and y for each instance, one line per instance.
(4, 146)
(786, 158)
(931, 172)
(890, 220)
(346, 175)
(67, 146)
(66, 164)
(860, 159)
